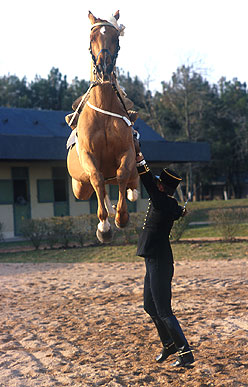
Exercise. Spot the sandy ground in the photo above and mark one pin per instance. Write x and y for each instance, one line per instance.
(83, 325)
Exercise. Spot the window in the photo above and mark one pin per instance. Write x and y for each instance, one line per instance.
(55, 189)
(59, 187)
(6, 192)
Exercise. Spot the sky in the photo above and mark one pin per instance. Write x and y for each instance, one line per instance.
(160, 36)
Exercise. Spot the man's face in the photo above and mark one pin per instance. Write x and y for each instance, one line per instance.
(160, 186)
(168, 190)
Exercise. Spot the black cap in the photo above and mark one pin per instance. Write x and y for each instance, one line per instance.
(169, 178)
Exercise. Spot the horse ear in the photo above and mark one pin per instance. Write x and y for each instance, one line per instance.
(92, 18)
(117, 15)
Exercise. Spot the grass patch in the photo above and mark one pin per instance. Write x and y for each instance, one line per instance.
(127, 253)
(210, 250)
(203, 231)
(87, 254)
(200, 210)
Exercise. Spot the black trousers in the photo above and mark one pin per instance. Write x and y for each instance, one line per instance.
(157, 287)
(157, 302)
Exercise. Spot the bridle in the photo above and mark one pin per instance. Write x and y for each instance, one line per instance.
(104, 69)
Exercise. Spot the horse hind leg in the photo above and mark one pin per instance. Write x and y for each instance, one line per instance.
(103, 232)
(82, 191)
(122, 216)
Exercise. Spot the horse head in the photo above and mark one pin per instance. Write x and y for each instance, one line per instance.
(104, 44)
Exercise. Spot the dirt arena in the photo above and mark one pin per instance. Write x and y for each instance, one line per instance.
(83, 325)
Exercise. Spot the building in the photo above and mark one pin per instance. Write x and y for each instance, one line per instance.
(34, 182)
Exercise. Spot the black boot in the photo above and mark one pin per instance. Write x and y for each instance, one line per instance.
(185, 359)
(168, 345)
(185, 356)
(168, 350)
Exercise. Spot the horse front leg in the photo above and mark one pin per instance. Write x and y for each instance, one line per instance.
(122, 216)
(123, 174)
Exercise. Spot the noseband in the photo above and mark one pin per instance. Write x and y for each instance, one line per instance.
(107, 68)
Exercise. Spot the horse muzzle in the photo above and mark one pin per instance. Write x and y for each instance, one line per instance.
(104, 63)
(105, 71)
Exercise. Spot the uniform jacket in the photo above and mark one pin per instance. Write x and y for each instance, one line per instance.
(161, 213)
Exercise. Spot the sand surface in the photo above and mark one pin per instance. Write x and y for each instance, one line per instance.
(83, 325)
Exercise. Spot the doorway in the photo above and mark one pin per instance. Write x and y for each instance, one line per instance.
(21, 196)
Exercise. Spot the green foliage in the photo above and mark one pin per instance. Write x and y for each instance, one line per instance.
(52, 230)
(179, 227)
(68, 230)
(134, 88)
(34, 230)
(52, 237)
(228, 221)
(53, 93)
(130, 234)
(62, 229)
(1, 232)
(84, 229)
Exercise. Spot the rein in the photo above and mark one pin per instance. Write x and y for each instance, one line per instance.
(81, 102)
(127, 121)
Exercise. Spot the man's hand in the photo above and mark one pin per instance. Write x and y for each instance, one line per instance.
(184, 212)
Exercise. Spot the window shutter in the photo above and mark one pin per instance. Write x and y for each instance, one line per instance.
(6, 192)
(45, 191)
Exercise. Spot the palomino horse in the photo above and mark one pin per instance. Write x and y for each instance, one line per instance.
(104, 152)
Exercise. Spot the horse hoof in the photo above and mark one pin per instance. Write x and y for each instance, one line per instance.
(104, 237)
(121, 225)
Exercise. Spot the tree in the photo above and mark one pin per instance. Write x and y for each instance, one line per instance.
(52, 93)
(49, 93)
(230, 143)
(73, 91)
(182, 108)
(14, 92)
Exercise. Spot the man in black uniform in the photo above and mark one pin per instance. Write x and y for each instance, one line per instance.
(155, 247)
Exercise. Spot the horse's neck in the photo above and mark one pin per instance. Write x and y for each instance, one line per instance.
(104, 96)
